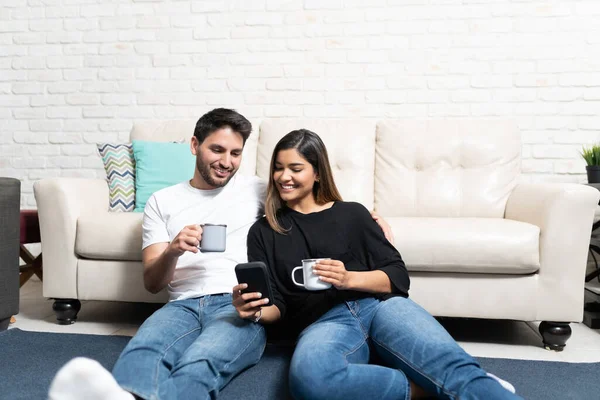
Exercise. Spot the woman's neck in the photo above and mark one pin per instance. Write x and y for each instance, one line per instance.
(308, 205)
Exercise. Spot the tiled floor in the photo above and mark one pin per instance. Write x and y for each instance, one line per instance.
(483, 338)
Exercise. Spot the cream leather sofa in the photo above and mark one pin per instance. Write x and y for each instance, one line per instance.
(478, 243)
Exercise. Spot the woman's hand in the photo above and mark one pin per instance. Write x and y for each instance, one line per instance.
(247, 305)
(334, 272)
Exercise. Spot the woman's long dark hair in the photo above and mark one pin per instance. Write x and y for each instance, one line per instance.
(310, 146)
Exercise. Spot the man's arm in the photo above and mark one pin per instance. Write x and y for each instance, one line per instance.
(159, 267)
(160, 259)
(385, 227)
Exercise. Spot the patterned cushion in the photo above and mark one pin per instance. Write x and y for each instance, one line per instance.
(120, 172)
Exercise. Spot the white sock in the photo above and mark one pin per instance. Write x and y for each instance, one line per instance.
(83, 378)
(506, 385)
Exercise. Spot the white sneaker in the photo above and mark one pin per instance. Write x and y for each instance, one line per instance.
(506, 385)
(84, 378)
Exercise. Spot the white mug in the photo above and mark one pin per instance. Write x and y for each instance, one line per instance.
(311, 280)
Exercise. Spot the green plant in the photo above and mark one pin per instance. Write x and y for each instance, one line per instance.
(591, 155)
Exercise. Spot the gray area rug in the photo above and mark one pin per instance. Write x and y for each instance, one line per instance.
(29, 361)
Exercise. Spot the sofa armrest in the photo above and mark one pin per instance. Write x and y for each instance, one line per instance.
(60, 202)
(564, 213)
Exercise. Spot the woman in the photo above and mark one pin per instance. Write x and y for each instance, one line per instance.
(366, 314)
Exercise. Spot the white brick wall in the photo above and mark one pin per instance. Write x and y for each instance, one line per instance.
(77, 72)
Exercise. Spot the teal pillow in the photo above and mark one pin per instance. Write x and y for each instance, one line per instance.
(159, 165)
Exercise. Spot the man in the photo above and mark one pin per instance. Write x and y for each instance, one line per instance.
(195, 344)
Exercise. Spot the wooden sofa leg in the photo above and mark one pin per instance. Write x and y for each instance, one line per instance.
(555, 334)
(66, 310)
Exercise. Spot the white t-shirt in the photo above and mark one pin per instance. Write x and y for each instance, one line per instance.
(168, 211)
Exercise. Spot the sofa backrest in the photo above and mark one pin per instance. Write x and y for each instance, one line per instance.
(183, 130)
(446, 168)
(400, 168)
(350, 145)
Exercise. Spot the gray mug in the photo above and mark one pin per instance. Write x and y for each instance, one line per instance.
(214, 238)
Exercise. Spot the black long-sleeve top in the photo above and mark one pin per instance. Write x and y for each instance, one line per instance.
(344, 232)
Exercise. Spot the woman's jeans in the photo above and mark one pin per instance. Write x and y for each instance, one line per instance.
(331, 360)
(189, 349)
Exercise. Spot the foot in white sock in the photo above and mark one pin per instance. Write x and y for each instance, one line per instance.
(83, 378)
(506, 385)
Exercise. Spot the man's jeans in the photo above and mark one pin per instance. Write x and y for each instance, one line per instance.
(332, 355)
(189, 349)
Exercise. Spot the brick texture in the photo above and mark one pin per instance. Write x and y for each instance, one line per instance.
(77, 72)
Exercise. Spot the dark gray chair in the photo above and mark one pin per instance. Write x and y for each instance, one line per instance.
(10, 199)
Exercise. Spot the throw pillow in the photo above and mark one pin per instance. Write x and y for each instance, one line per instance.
(119, 165)
(159, 165)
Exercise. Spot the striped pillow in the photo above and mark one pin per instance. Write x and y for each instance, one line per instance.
(120, 173)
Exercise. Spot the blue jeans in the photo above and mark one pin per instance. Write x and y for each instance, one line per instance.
(331, 360)
(189, 349)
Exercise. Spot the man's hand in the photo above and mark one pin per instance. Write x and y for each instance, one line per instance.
(247, 305)
(385, 227)
(186, 240)
(334, 272)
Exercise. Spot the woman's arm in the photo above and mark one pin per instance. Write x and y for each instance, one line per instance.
(270, 315)
(334, 272)
(257, 252)
(380, 254)
(371, 281)
(386, 272)
(254, 310)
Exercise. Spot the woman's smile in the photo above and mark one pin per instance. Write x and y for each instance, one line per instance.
(286, 188)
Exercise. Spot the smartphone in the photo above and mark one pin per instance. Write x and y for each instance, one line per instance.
(256, 275)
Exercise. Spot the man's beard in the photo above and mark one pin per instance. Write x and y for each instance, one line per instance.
(204, 171)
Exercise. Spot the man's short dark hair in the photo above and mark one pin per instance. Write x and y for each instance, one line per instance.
(222, 118)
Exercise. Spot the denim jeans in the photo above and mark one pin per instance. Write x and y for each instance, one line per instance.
(189, 349)
(331, 360)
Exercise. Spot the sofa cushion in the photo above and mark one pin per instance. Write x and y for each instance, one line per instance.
(159, 165)
(163, 131)
(446, 168)
(119, 165)
(468, 245)
(110, 236)
(350, 146)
